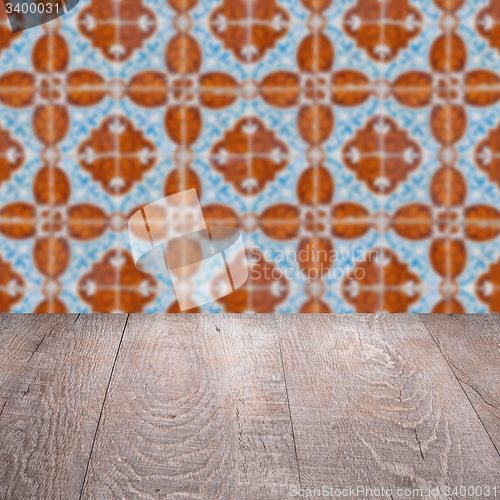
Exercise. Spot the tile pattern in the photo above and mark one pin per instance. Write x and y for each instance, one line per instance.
(356, 143)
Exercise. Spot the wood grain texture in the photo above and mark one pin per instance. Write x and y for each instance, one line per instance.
(54, 373)
(471, 345)
(20, 336)
(196, 409)
(374, 404)
(245, 406)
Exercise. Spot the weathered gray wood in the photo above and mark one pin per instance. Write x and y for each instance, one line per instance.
(20, 335)
(197, 409)
(471, 345)
(54, 376)
(193, 412)
(374, 404)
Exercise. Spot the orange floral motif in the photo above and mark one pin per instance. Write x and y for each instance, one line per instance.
(488, 23)
(183, 124)
(350, 88)
(148, 89)
(413, 89)
(448, 54)
(313, 223)
(315, 123)
(281, 89)
(262, 292)
(448, 223)
(249, 29)
(350, 220)
(182, 179)
(317, 214)
(448, 118)
(448, 123)
(488, 155)
(315, 54)
(117, 155)
(115, 284)
(52, 305)
(218, 90)
(11, 155)
(51, 222)
(183, 55)
(488, 287)
(11, 286)
(315, 306)
(217, 214)
(57, 88)
(315, 120)
(17, 89)
(183, 118)
(174, 308)
(382, 155)
(6, 35)
(316, 219)
(249, 156)
(481, 88)
(117, 28)
(315, 186)
(381, 284)
(383, 28)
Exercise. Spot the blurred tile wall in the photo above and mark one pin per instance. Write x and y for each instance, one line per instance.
(355, 143)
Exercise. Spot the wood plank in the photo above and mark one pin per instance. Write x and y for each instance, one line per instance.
(49, 420)
(374, 404)
(196, 408)
(20, 335)
(471, 345)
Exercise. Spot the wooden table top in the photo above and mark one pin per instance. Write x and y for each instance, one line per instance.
(248, 406)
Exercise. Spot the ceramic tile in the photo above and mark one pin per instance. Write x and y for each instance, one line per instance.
(354, 143)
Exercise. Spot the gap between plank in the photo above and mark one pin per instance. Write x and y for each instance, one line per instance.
(43, 338)
(102, 408)
(289, 409)
(460, 383)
